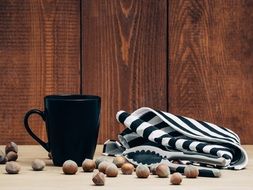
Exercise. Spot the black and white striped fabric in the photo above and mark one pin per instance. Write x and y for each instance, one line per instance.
(173, 132)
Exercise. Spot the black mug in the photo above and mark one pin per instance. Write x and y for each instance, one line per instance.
(72, 125)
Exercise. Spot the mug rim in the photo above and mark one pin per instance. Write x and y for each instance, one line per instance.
(72, 97)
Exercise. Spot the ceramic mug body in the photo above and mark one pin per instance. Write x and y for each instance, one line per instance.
(72, 124)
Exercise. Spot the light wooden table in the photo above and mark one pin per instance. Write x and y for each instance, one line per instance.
(53, 178)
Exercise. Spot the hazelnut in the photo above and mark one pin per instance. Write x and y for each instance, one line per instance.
(162, 170)
(12, 167)
(127, 169)
(99, 160)
(69, 167)
(88, 165)
(177, 162)
(119, 161)
(11, 146)
(191, 171)
(99, 179)
(103, 165)
(153, 169)
(176, 178)
(3, 158)
(142, 171)
(49, 155)
(38, 165)
(12, 156)
(111, 171)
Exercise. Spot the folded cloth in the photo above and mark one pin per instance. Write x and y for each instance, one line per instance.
(174, 133)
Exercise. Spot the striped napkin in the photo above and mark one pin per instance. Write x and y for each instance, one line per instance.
(202, 140)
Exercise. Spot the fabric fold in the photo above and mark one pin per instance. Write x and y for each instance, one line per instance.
(178, 133)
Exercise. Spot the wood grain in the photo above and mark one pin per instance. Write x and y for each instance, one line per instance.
(39, 55)
(210, 56)
(124, 57)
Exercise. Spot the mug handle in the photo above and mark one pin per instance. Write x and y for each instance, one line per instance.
(27, 115)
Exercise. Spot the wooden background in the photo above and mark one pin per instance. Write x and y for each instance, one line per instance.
(189, 57)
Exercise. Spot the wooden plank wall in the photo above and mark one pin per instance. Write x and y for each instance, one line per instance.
(39, 55)
(124, 57)
(211, 62)
(189, 57)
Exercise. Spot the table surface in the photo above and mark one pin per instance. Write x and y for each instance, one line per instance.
(53, 178)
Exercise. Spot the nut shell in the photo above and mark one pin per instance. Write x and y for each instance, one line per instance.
(11, 156)
(88, 165)
(176, 178)
(111, 171)
(153, 169)
(69, 167)
(12, 167)
(11, 146)
(127, 169)
(142, 171)
(103, 165)
(99, 179)
(191, 171)
(100, 160)
(177, 162)
(119, 161)
(38, 165)
(50, 155)
(162, 170)
(3, 158)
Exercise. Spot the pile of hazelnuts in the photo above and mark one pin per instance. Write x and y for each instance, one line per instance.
(10, 156)
(111, 169)
(105, 168)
